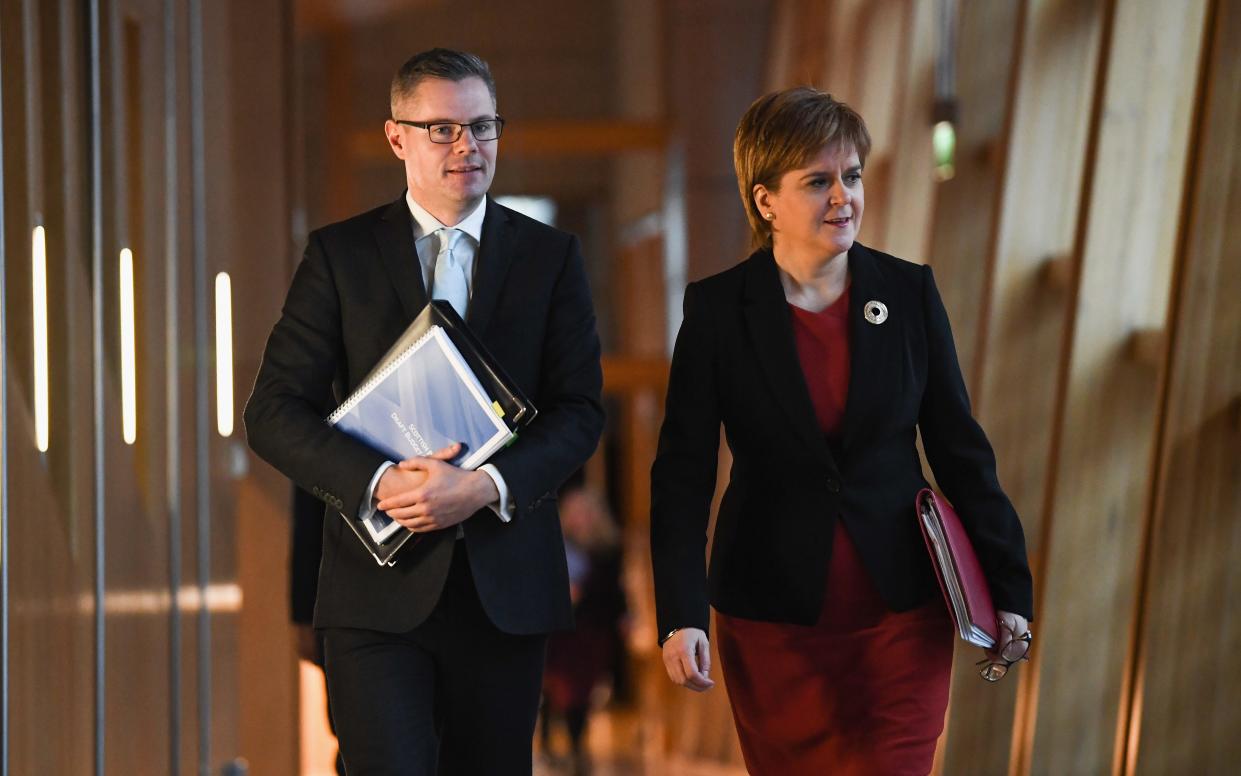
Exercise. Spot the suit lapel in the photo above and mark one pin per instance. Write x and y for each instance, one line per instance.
(771, 331)
(495, 254)
(395, 234)
(873, 347)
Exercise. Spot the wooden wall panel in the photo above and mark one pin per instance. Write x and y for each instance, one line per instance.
(862, 54)
(137, 601)
(906, 205)
(977, 736)
(257, 252)
(878, 58)
(245, 175)
(50, 693)
(877, 35)
(1045, 153)
(732, 35)
(966, 207)
(1109, 413)
(122, 681)
(879, 39)
(1020, 338)
(1188, 678)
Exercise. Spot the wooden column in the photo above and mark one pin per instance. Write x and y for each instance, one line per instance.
(1184, 715)
(967, 210)
(1021, 334)
(1107, 409)
(50, 644)
(977, 738)
(908, 170)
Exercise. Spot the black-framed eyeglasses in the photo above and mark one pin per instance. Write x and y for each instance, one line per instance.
(446, 132)
(996, 668)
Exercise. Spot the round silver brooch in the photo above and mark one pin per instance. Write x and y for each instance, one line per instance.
(875, 311)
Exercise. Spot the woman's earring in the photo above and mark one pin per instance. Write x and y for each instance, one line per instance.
(769, 216)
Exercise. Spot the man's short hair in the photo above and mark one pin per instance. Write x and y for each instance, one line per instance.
(438, 63)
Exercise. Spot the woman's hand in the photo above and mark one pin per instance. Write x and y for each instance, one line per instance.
(1012, 627)
(687, 657)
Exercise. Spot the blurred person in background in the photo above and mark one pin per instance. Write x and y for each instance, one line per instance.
(823, 359)
(305, 552)
(580, 660)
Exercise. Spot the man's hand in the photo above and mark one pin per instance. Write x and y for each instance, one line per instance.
(395, 481)
(687, 658)
(429, 494)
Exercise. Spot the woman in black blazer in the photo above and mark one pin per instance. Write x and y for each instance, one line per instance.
(823, 359)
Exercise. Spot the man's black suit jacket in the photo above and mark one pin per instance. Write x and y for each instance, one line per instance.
(357, 288)
(305, 552)
(736, 362)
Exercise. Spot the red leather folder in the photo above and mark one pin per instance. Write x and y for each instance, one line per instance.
(956, 565)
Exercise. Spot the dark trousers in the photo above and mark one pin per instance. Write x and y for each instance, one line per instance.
(455, 695)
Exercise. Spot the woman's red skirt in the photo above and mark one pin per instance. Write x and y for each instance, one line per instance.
(862, 692)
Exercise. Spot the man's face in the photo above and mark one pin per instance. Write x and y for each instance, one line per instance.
(448, 179)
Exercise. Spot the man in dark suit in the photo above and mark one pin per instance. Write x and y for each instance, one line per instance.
(434, 664)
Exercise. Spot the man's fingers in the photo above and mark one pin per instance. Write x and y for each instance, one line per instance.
(407, 499)
(419, 524)
(409, 512)
(424, 463)
(446, 453)
(419, 464)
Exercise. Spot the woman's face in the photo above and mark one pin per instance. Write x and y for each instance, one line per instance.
(818, 208)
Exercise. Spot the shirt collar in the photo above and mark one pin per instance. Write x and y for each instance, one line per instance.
(425, 223)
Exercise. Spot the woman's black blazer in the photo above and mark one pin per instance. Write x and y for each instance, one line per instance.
(735, 362)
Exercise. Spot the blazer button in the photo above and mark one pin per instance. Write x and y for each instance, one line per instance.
(833, 485)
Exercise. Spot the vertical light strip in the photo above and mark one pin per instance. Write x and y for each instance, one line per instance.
(223, 354)
(129, 368)
(38, 273)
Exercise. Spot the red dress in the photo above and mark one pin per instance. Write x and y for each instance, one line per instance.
(864, 690)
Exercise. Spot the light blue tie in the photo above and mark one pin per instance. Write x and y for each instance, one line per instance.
(449, 282)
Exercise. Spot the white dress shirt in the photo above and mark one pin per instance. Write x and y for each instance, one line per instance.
(465, 250)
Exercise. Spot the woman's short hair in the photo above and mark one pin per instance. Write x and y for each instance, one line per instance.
(438, 63)
(782, 131)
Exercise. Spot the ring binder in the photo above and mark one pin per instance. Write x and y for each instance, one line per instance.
(435, 386)
(375, 378)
